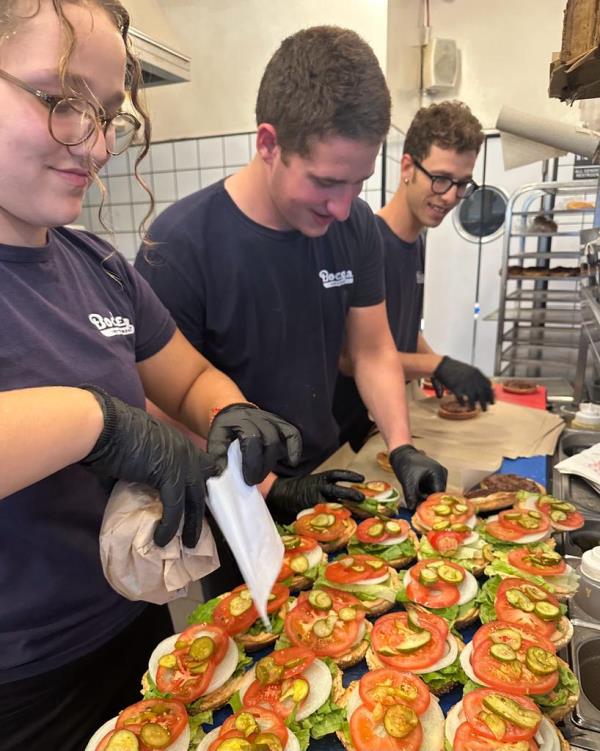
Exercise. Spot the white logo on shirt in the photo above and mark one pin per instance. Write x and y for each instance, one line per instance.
(337, 278)
(112, 325)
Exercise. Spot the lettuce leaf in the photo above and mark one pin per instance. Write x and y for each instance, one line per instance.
(567, 686)
(311, 573)
(204, 612)
(404, 549)
(439, 679)
(501, 567)
(485, 599)
(372, 505)
(196, 730)
(365, 592)
(470, 686)
(258, 626)
(283, 642)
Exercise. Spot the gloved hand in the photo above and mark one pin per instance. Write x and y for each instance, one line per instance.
(265, 439)
(289, 495)
(136, 447)
(468, 384)
(419, 475)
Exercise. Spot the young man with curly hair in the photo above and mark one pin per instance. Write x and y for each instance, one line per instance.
(437, 165)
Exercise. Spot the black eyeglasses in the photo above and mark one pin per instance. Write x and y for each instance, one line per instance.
(441, 184)
(72, 120)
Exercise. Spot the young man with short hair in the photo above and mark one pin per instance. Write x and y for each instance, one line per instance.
(440, 150)
(266, 271)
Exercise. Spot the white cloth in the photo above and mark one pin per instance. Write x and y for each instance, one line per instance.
(137, 568)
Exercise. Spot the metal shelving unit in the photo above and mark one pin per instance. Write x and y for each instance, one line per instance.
(539, 317)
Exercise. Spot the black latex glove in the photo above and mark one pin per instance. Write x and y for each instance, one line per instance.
(136, 447)
(468, 384)
(289, 495)
(419, 475)
(265, 440)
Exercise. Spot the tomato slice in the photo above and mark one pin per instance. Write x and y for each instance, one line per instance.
(365, 527)
(473, 708)
(528, 559)
(267, 721)
(295, 660)
(392, 629)
(230, 734)
(233, 622)
(354, 568)
(268, 696)
(440, 594)
(507, 612)
(168, 713)
(217, 634)
(296, 544)
(508, 523)
(367, 734)
(490, 631)
(574, 520)
(300, 620)
(466, 739)
(377, 687)
(427, 515)
(513, 677)
(304, 527)
(337, 509)
(446, 542)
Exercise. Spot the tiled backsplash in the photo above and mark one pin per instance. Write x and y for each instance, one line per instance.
(393, 156)
(174, 169)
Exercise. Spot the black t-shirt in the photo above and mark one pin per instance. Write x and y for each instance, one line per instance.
(267, 307)
(404, 267)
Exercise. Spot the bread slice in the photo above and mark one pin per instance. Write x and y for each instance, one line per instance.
(556, 714)
(451, 409)
(254, 642)
(564, 633)
(374, 662)
(356, 654)
(349, 530)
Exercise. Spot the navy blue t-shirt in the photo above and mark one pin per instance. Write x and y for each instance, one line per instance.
(267, 307)
(66, 321)
(404, 277)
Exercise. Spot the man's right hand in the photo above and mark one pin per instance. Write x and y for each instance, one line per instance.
(289, 495)
(419, 475)
(136, 447)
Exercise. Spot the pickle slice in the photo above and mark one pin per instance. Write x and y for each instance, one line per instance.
(168, 661)
(527, 522)
(519, 600)
(400, 720)
(393, 528)
(428, 576)
(503, 652)
(246, 723)
(442, 510)
(290, 542)
(450, 575)
(267, 671)
(154, 735)
(376, 530)
(323, 520)
(546, 610)
(322, 628)
(202, 648)
(320, 599)
(299, 564)
(376, 564)
(347, 614)
(440, 525)
(123, 740)
(266, 742)
(235, 744)
(414, 641)
(511, 711)
(297, 691)
(460, 508)
(533, 592)
(495, 724)
(557, 515)
(540, 661)
(457, 527)
(239, 604)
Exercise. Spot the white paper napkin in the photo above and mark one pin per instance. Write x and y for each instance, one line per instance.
(243, 517)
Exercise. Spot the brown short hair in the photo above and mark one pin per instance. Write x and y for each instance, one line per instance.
(324, 81)
(449, 125)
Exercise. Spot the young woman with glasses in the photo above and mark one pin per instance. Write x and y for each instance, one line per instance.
(83, 342)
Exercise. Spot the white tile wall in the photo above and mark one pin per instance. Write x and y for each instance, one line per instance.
(173, 170)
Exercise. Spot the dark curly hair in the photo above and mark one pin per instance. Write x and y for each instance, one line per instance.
(324, 81)
(449, 125)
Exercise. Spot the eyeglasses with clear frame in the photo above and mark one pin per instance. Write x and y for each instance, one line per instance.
(73, 120)
(441, 184)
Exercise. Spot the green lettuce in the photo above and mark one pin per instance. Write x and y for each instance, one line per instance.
(404, 549)
(567, 686)
(485, 599)
(196, 730)
(375, 505)
(470, 685)
(258, 627)
(365, 592)
(501, 567)
(152, 691)
(203, 613)
(439, 679)
(311, 573)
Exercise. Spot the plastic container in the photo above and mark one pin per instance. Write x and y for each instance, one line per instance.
(587, 417)
(588, 594)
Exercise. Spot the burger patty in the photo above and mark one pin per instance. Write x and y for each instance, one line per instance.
(502, 484)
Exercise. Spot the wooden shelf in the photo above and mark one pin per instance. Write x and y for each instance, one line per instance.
(576, 79)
